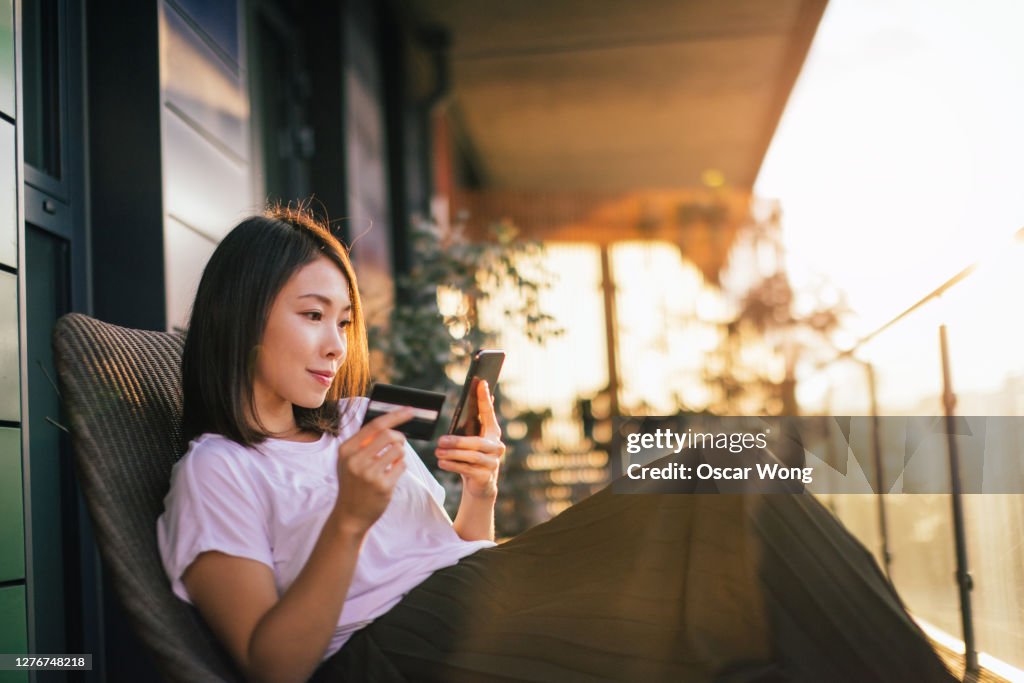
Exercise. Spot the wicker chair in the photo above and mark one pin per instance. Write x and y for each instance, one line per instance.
(122, 394)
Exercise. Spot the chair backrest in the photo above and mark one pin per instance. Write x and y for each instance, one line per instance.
(121, 390)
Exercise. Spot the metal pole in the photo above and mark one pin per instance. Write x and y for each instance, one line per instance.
(610, 323)
(876, 447)
(610, 327)
(963, 575)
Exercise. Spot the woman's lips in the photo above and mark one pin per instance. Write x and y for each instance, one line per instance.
(323, 379)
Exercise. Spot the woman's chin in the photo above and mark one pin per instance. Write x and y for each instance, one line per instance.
(314, 401)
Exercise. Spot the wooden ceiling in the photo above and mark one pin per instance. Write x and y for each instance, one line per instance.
(613, 95)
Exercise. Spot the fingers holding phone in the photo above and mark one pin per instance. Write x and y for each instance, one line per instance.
(489, 427)
(476, 458)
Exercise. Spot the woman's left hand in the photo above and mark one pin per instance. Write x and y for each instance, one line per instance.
(476, 458)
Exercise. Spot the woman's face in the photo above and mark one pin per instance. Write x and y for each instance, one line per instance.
(304, 343)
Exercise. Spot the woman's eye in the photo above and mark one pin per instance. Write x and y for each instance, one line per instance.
(317, 315)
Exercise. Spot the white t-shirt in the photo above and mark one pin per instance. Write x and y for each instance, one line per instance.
(270, 502)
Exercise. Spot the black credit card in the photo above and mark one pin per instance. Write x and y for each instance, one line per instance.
(387, 398)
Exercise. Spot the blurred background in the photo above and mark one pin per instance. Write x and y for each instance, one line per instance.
(663, 207)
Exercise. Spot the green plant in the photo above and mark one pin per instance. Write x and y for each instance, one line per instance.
(422, 341)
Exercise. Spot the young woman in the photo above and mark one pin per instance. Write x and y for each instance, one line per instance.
(314, 547)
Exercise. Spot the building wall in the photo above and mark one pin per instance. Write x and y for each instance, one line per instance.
(155, 166)
(205, 139)
(13, 615)
(369, 218)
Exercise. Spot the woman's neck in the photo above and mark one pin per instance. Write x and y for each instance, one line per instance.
(296, 433)
(284, 427)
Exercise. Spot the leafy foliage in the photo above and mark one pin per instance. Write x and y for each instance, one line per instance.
(422, 341)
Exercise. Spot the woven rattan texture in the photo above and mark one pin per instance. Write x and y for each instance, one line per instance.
(121, 390)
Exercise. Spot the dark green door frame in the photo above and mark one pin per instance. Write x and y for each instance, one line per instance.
(62, 578)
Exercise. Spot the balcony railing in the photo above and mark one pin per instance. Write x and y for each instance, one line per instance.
(956, 559)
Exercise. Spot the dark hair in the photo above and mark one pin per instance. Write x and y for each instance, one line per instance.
(229, 315)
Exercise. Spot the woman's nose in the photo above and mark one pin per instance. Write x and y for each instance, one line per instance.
(336, 343)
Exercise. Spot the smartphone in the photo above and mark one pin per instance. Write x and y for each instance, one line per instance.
(486, 365)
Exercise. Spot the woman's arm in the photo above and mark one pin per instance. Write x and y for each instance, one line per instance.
(283, 639)
(275, 639)
(474, 520)
(478, 460)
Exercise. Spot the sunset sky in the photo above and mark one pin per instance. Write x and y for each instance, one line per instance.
(900, 157)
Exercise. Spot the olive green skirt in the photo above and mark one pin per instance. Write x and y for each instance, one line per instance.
(654, 587)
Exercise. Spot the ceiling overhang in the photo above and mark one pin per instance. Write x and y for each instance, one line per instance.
(612, 96)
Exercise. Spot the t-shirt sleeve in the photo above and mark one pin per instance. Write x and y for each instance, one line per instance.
(213, 504)
(414, 465)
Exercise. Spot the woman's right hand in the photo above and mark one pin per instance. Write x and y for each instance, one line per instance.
(369, 465)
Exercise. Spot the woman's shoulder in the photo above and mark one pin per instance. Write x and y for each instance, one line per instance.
(206, 445)
(215, 455)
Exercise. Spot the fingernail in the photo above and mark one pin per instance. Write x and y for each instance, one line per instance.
(446, 441)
